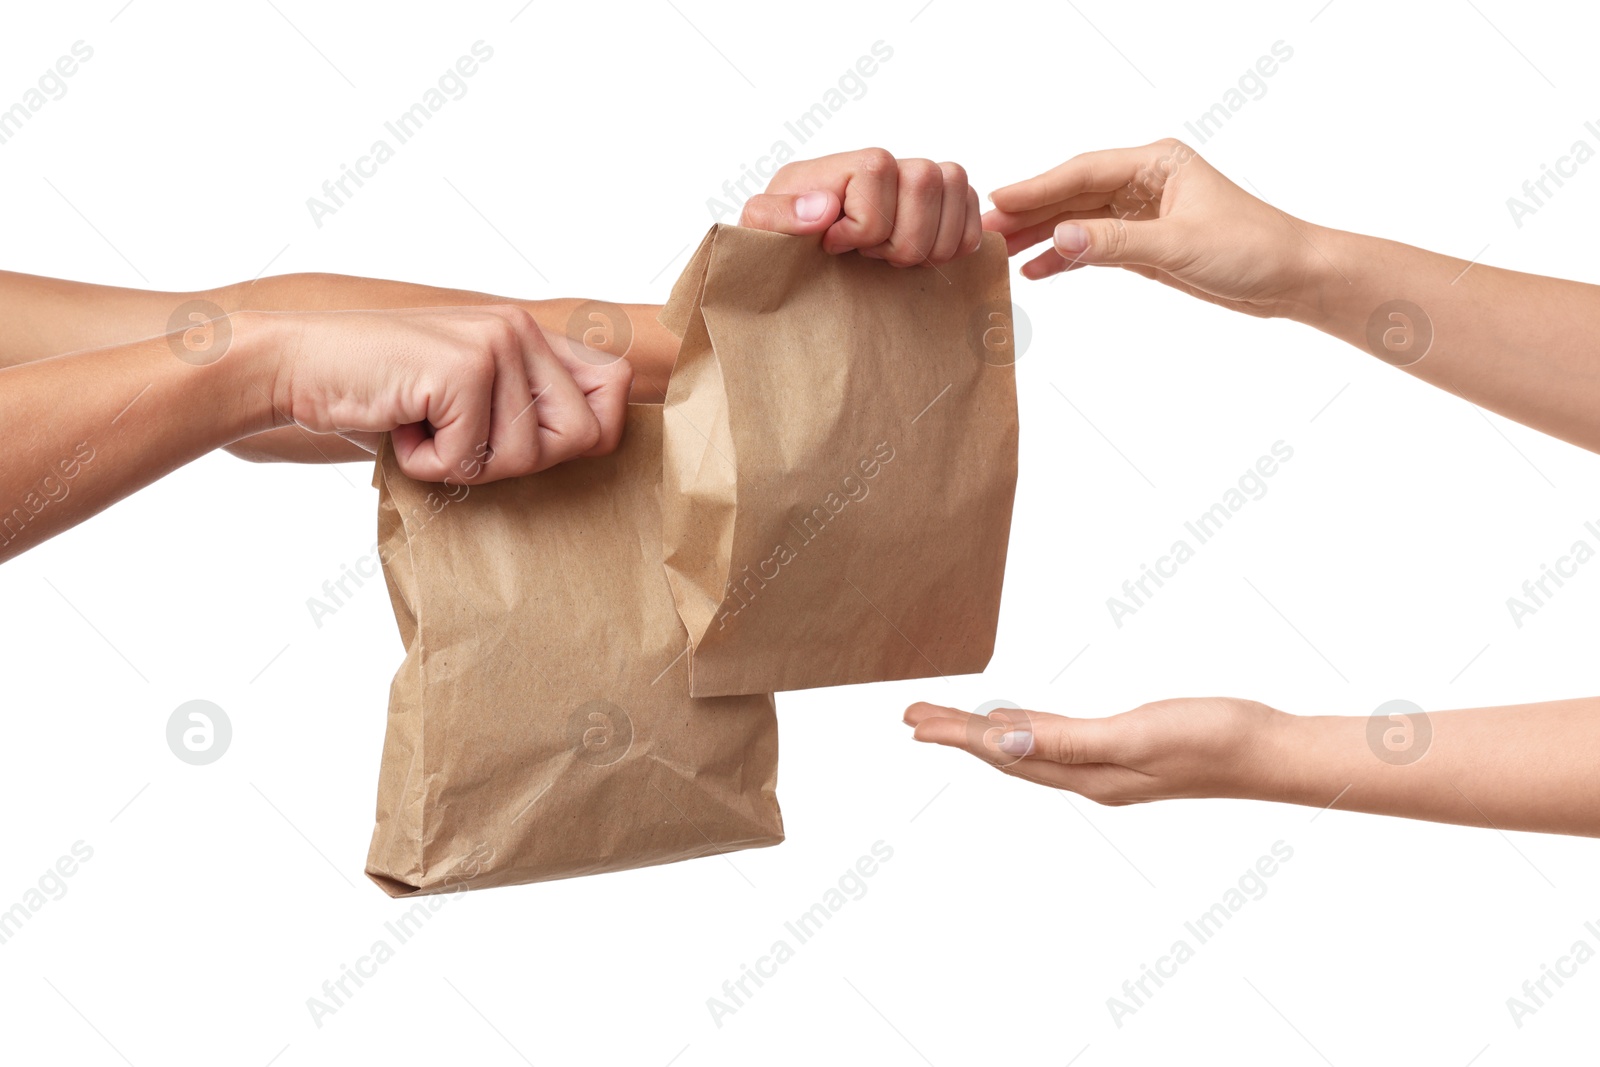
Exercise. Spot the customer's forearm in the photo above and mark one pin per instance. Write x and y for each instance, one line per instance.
(1522, 345)
(1523, 767)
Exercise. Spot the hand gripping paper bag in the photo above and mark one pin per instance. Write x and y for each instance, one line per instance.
(841, 457)
(540, 725)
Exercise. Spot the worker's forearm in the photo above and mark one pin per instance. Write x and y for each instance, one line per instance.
(1522, 345)
(1525, 767)
(50, 317)
(649, 346)
(137, 412)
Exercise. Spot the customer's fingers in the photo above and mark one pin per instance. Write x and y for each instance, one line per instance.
(1101, 172)
(922, 711)
(1009, 222)
(1044, 230)
(1017, 734)
(1109, 242)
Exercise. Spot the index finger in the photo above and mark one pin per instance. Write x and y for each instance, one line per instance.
(869, 202)
(1092, 172)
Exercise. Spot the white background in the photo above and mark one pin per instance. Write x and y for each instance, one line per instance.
(221, 897)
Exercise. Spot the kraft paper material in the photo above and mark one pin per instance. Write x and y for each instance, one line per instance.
(540, 725)
(840, 462)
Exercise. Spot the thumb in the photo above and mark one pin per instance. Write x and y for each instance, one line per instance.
(1058, 739)
(787, 213)
(1007, 735)
(1115, 242)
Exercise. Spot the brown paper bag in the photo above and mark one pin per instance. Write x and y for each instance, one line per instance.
(841, 456)
(540, 725)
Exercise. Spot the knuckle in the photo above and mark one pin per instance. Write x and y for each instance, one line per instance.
(1054, 745)
(1116, 239)
(875, 231)
(755, 211)
(954, 174)
(922, 175)
(518, 318)
(587, 434)
(902, 255)
(875, 162)
(499, 335)
(604, 447)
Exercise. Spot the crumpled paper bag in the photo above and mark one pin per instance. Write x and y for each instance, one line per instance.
(841, 457)
(541, 725)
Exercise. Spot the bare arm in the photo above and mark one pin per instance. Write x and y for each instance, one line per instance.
(1519, 344)
(48, 317)
(1523, 767)
(467, 394)
(1523, 345)
(137, 413)
(909, 212)
(629, 330)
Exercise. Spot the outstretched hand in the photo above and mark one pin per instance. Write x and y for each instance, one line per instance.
(1203, 747)
(1163, 212)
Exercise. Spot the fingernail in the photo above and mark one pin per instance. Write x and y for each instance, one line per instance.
(1017, 743)
(1071, 238)
(809, 208)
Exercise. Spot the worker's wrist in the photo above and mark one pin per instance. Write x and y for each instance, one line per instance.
(250, 375)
